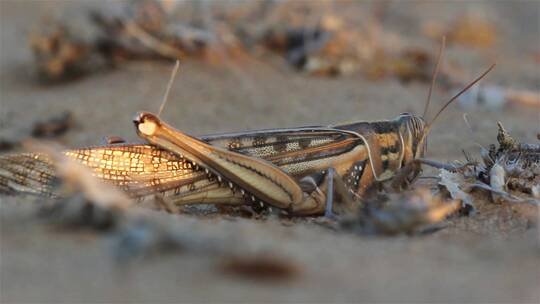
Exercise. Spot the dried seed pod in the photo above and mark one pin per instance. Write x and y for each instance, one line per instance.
(506, 142)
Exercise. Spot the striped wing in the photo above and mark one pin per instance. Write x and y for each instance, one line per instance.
(27, 173)
(142, 169)
(296, 151)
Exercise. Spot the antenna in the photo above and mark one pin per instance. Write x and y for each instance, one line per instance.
(427, 129)
(465, 115)
(434, 76)
(459, 94)
(169, 86)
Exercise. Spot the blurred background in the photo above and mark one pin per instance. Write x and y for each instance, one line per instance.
(262, 64)
(76, 71)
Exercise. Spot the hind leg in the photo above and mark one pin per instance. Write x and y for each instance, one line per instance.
(259, 179)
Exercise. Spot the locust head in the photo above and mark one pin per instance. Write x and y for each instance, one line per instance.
(418, 127)
(413, 128)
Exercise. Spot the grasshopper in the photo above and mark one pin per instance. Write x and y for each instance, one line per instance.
(297, 170)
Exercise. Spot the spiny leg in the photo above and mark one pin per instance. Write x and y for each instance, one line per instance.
(328, 211)
(259, 178)
(338, 186)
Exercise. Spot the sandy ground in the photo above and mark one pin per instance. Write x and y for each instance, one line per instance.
(492, 256)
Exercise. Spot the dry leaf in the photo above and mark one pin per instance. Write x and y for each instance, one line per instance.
(401, 213)
(457, 185)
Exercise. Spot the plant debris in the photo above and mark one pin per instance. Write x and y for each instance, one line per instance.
(78, 212)
(455, 184)
(142, 30)
(310, 38)
(408, 212)
(58, 54)
(314, 39)
(327, 48)
(510, 172)
(134, 30)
